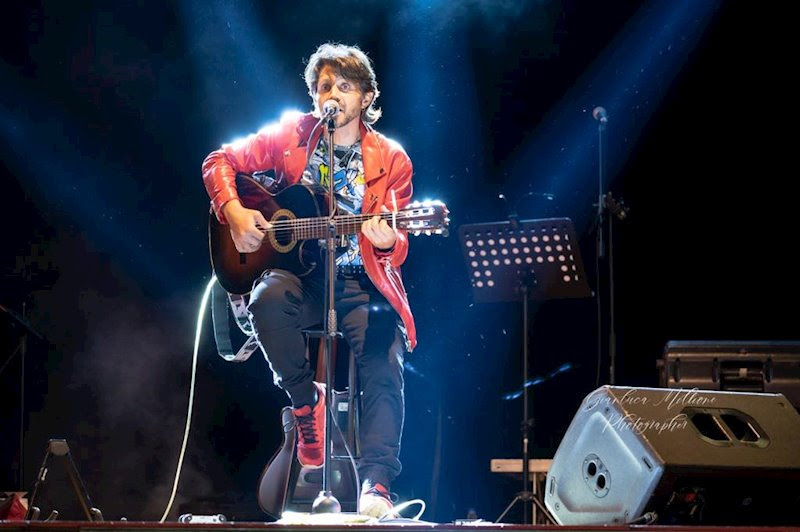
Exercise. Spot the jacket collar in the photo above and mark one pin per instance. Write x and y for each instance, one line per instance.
(304, 128)
(371, 149)
(370, 144)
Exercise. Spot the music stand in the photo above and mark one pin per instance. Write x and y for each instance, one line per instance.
(522, 260)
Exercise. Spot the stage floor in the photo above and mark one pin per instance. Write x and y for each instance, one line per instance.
(116, 526)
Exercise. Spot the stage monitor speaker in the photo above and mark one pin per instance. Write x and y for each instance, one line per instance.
(678, 457)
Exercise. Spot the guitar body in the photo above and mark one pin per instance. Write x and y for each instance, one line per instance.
(273, 486)
(236, 271)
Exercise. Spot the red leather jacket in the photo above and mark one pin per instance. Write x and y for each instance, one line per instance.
(282, 148)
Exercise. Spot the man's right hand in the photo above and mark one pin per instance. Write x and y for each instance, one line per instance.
(247, 226)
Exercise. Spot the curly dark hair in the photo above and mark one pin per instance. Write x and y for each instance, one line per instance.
(350, 63)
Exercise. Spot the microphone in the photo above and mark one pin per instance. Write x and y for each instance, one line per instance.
(600, 114)
(330, 109)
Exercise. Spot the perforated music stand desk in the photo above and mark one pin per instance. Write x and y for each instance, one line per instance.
(504, 257)
(520, 260)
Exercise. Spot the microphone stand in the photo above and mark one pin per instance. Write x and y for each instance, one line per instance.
(603, 201)
(326, 502)
(601, 215)
(22, 348)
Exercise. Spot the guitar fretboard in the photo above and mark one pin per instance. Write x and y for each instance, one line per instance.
(316, 228)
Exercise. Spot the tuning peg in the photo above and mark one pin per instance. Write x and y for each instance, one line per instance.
(428, 232)
(416, 233)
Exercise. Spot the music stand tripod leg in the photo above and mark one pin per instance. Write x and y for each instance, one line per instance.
(525, 497)
(542, 508)
(508, 508)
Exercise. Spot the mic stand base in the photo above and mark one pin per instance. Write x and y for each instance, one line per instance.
(326, 503)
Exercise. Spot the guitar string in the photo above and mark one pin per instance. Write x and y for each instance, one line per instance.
(341, 219)
(311, 224)
(310, 231)
(301, 231)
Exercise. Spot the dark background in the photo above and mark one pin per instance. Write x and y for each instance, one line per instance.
(109, 109)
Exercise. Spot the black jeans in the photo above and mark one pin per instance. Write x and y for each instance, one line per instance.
(282, 305)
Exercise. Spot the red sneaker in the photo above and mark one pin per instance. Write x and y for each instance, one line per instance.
(310, 423)
(375, 500)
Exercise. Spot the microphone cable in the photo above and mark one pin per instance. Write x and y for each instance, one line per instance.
(198, 330)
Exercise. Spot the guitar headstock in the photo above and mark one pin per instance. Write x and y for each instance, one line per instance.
(429, 217)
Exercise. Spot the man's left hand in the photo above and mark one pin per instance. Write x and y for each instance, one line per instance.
(379, 233)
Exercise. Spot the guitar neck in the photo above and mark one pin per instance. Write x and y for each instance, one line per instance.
(316, 228)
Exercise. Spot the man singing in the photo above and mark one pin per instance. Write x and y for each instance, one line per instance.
(371, 174)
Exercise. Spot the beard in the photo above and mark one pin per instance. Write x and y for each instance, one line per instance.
(346, 117)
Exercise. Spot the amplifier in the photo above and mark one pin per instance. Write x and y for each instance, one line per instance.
(755, 367)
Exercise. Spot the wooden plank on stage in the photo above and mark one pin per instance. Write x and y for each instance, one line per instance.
(535, 465)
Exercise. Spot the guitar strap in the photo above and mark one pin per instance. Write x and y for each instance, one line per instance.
(221, 301)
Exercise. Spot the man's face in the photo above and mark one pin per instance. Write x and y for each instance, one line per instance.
(331, 86)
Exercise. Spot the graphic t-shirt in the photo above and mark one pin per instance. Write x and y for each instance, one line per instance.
(348, 186)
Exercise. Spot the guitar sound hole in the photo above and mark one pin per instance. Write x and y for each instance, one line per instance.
(284, 238)
(283, 232)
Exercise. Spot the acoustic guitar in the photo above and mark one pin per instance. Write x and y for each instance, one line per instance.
(298, 218)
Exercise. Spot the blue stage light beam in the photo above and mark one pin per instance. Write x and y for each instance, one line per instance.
(430, 97)
(536, 381)
(238, 69)
(630, 80)
(48, 159)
